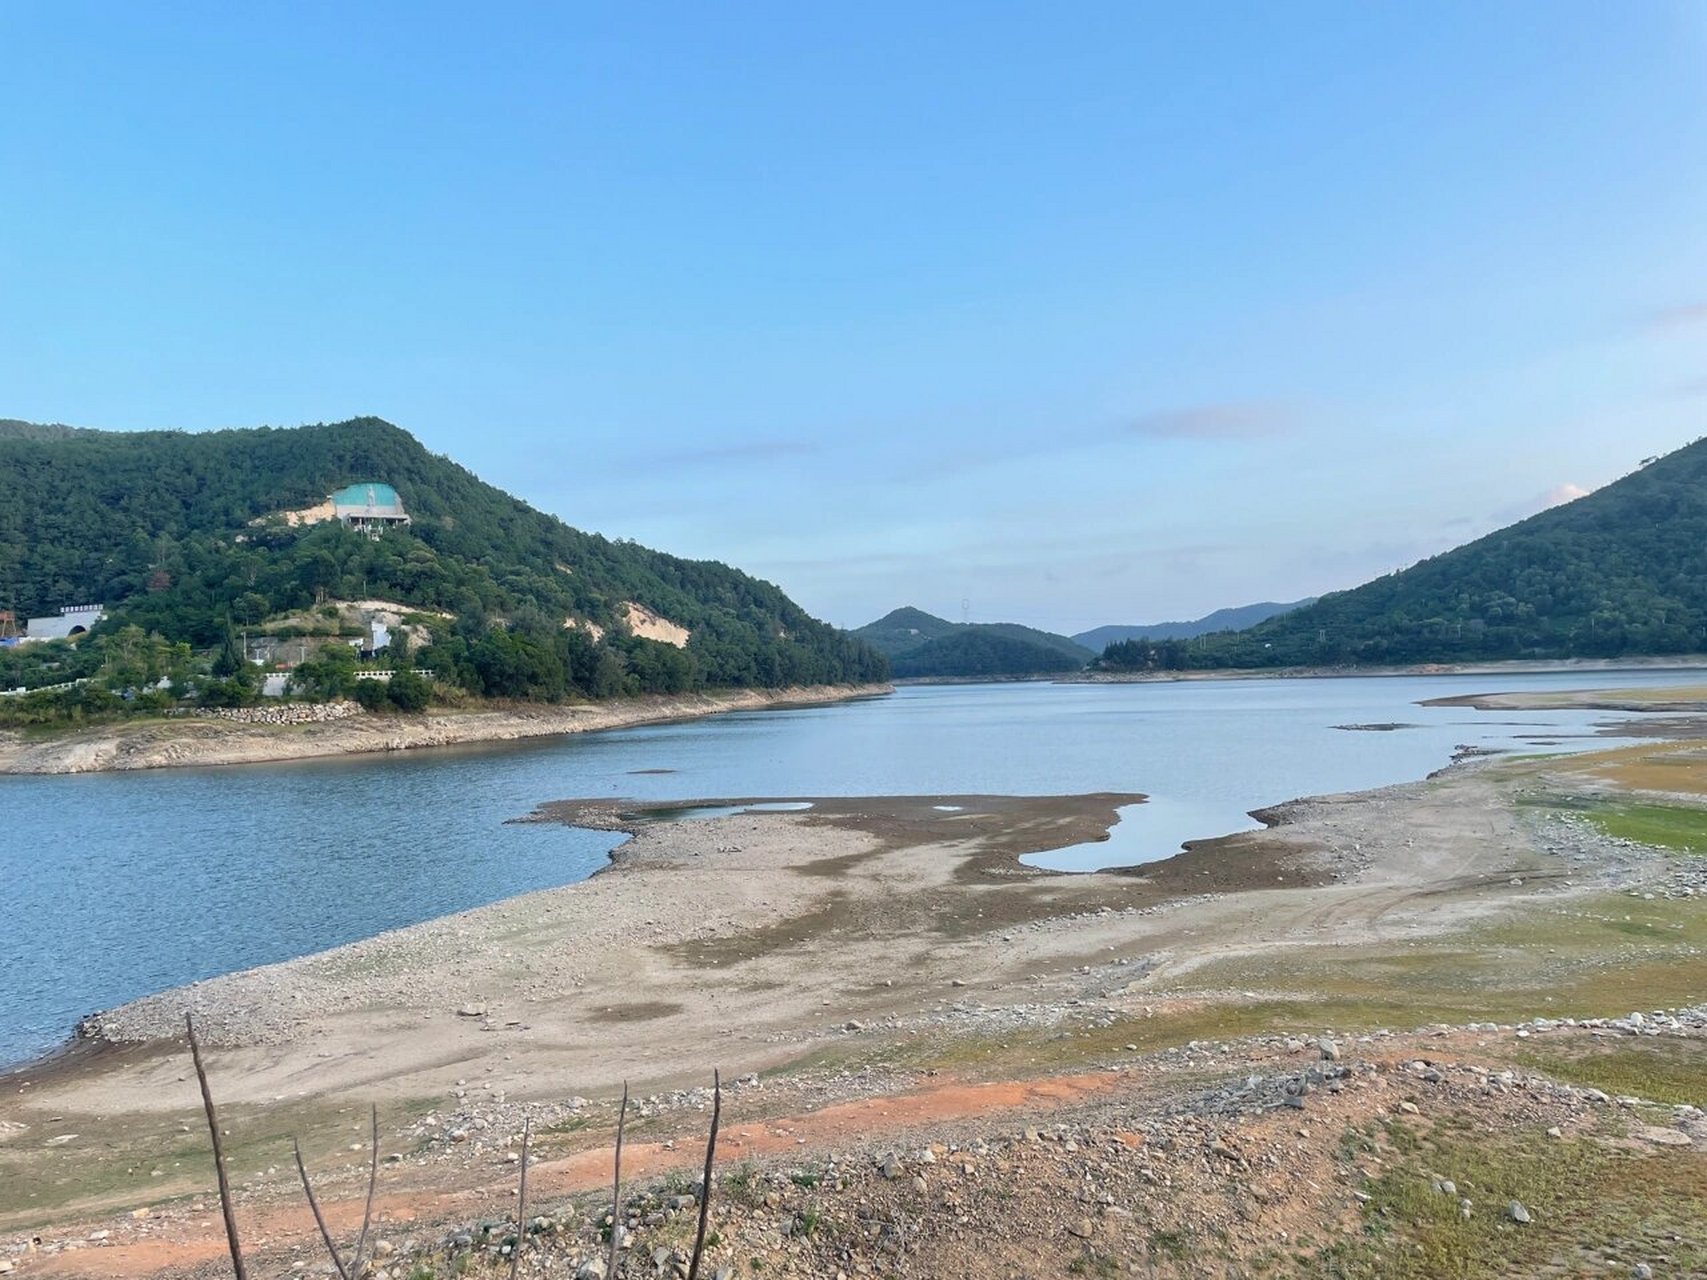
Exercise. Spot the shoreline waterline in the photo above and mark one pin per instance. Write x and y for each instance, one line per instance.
(168, 744)
(162, 884)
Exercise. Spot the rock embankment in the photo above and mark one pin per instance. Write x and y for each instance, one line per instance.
(284, 713)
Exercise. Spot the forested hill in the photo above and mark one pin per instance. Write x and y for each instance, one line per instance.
(1621, 572)
(920, 645)
(181, 534)
(1236, 618)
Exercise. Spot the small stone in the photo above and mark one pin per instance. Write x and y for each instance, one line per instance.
(1641, 1271)
(1517, 1213)
(1328, 1049)
(1409, 1108)
(1663, 1137)
(1082, 1228)
(471, 1011)
(1555, 1132)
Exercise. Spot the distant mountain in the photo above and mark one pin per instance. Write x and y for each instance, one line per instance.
(920, 645)
(192, 535)
(1234, 619)
(1621, 572)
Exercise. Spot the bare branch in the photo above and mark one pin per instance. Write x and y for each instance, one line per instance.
(616, 1186)
(237, 1268)
(372, 1183)
(522, 1201)
(705, 1192)
(314, 1206)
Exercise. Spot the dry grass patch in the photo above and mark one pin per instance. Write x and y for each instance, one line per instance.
(1594, 1207)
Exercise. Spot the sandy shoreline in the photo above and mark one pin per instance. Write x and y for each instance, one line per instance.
(1547, 666)
(159, 744)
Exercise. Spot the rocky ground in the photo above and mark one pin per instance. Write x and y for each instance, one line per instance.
(1390, 1036)
(1368, 1155)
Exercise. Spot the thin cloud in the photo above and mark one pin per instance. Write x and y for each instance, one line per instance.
(1560, 494)
(1671, 319)
(755, 452)
(1557, 496)
(1231, 420)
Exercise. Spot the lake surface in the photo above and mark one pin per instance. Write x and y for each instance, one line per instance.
(117, 885)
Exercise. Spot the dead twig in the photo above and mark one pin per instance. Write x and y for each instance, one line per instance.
(314, 1207)
(705, 1192)
(522, 1201)
(616, 1186)
(237, 1268)
(372, 1183)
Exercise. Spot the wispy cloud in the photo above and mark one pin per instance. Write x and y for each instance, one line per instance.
(1230, 420)
(752, 452)
(1688, 315)
(1557, 496)
(1560, 494)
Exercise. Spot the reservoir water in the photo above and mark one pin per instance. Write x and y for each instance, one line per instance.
(117, 885)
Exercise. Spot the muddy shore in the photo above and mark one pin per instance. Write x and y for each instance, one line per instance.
(159, 744)
(770, 933)
(833, 962)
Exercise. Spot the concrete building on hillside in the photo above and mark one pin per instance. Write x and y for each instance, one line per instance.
(369, 508)
(70, 622)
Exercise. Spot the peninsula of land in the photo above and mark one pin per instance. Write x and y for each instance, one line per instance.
(165, 742)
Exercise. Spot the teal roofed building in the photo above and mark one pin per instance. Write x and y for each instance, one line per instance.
(369, 507)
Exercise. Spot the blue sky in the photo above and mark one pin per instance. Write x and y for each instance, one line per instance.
(1064, 314)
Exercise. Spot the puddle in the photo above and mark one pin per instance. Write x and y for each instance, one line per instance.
(1149, 832)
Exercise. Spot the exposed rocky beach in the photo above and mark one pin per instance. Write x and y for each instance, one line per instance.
(936, 1055)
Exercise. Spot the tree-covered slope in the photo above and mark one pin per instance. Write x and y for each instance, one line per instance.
(981, 651)
(176, 532)
(1621, 572)
(902, 629)
(919, 644)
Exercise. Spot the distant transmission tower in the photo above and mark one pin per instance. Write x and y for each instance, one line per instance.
(965, 610)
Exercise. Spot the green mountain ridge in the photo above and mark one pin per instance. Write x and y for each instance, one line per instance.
(1621, 572)
(920, 645)
(1235, 618)
(172, 531)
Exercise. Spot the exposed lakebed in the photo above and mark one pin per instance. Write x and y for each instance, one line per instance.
(123, 884)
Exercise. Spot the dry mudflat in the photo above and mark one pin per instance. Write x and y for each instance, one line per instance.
(1264, 1056)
